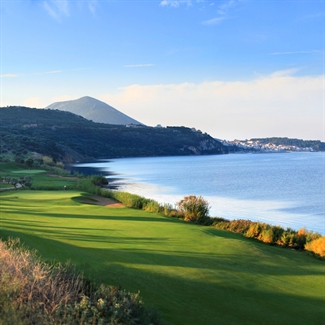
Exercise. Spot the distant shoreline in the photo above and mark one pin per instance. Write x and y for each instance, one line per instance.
(88, 171)
(279, 211)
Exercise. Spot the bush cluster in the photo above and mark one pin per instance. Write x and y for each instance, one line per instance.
(18, 181)
(196, 209)
(317, 246)
(33, 292)
(191, 208)
(92, 184)
(276, 235)
(137, 202)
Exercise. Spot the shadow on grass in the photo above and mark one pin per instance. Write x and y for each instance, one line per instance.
(156, 251)
(120, 217)
(228, 296)
(75, 233)
(211, 231)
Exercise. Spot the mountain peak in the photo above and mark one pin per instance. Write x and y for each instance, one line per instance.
(95, 110)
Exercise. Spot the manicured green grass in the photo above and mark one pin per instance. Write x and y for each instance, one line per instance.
(29, 172)
(45, 182)
(40, 177)
(192, 274)
(8, 167)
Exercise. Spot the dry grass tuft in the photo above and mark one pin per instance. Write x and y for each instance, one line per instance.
(33, 292)
(31, 284)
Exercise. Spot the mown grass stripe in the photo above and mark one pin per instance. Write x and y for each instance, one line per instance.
(193, 274)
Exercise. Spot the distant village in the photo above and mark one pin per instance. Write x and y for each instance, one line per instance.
(261, 146)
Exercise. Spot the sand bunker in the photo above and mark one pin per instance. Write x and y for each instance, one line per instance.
(102, 201)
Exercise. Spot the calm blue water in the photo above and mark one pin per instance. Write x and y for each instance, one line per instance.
(281, 189)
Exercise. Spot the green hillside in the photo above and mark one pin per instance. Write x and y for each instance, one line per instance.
(68, 137)
(192, 274)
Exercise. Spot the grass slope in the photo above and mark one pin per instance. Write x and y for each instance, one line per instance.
(193, 274)
(41, 179)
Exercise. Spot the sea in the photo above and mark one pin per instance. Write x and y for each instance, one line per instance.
(285, 189)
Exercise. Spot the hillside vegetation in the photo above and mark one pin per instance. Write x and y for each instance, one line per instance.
(68, 137)
(316, 145)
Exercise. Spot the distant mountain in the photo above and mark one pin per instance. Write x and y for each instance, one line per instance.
(94, 110)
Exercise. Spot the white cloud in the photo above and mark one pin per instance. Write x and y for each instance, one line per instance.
(176, 3)
(92, 6)
(223, 12)
(298, 52)
(284, 73)
(171, 3)
(223, 9)
(10, 75)
(61, 8)
(275, 105)
(57, 8)
(50, 11)
(49, 72)
(214, 21)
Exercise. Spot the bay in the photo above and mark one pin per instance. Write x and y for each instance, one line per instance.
(286, 189)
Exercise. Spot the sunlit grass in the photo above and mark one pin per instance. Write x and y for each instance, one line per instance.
(41, 178)
(193, 274)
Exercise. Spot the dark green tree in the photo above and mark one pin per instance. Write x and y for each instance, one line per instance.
(29, 162)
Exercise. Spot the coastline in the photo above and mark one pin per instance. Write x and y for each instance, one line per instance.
(88, 171)
(253, 187)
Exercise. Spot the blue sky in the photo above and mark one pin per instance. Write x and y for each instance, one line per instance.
(234, 69)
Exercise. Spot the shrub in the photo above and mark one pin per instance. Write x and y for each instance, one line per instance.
(176, 214)
(289, 238)
(26, 181)
(317, 246)
(48, 161)
(130, 200)
(152, 206)
(194, 209)
(33, 292)
(98, 180)
(238, 225)
(167, 209)
(29, 162)
(277, 233)
(19, 160)
(254, 230)
(14, 181)
(88, 186)
(266, 234)
(308, 235)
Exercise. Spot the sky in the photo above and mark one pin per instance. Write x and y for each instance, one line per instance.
(236, 69)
